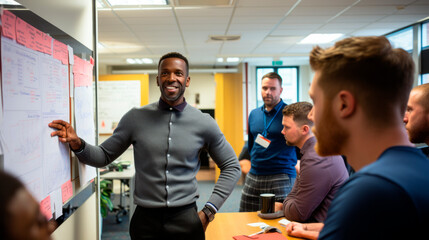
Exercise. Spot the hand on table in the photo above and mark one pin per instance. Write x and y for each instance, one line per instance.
(308, 231)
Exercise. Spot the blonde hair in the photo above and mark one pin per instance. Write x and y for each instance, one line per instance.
(423, 100)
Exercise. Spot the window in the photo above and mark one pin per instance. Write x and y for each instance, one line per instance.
(289, 84)
(425, 78)
(402, 39)
(424, 54)
(425, 35)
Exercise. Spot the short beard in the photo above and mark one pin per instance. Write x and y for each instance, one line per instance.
(420, 135)
(331, 137)
(175, 98)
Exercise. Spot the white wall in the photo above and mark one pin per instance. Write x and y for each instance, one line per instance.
(305, 78)
(82, 225)
(202, 83)
(73, 17)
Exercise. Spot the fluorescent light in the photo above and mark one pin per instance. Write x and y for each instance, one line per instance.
(219, 60)
(131, 61)
(136, 2)
(147, 60)
(232, 59)
(9, 2)
(317, 38)
(139, 60)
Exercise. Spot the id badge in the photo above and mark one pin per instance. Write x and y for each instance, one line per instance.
(261, 140)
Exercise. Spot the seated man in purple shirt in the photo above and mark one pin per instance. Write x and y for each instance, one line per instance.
(319, 177)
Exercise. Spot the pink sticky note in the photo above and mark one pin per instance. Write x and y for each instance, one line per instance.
(47, 44)
(88, 68)
(78, 67)
(38, 42)
(67, 190)
(81, 80)
(21, 32)
(45, 207)
(8, 24)
(31, 37)
(61, 52)
(91, 60)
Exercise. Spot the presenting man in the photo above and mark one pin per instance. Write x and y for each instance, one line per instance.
(272, 161)
(360, 92)
(319, 177)
(417, 114)
(166, 137)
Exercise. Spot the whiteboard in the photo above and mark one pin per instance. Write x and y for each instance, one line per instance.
(115, 98)
(35, 92)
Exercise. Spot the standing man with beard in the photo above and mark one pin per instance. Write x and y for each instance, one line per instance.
(272, 161)
(166, 137)
(360, 92)
(417, 115)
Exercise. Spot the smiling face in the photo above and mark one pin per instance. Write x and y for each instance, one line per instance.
(330, 135)
(172, 80)
(416, 119)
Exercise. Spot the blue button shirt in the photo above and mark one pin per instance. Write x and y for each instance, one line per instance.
(278, 158)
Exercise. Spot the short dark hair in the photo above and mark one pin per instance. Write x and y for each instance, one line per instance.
(379, 76)
(299, 112)
(175, 55)
(273, 75)
(9, 186)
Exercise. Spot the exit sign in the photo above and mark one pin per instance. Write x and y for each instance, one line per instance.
(277, 63)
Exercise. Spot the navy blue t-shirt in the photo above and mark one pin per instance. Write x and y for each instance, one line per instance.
(278, 158)
(388, 199)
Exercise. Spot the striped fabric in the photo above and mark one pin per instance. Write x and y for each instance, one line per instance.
(279, 184)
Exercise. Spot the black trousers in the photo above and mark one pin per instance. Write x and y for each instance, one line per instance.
(179, 223)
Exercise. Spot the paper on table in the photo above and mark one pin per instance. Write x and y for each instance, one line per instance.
(284, 222)
(257, 224)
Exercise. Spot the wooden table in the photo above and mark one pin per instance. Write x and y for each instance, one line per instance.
(227, 225)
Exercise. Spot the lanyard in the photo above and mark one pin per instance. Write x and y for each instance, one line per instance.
(265, 132)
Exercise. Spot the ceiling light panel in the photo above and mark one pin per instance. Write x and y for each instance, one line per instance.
(319, 38)
(137, 2)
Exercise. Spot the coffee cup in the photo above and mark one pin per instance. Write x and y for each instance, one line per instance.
(267, 202)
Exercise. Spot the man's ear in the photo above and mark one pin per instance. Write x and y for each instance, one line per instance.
(157, 79)
(188, 81)
(346, 104)
(305, 129)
